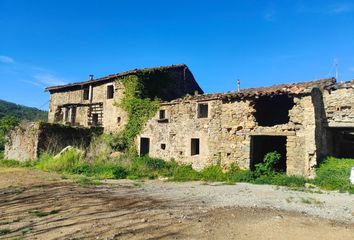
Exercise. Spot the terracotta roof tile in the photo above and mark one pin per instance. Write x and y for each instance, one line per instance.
(113, 76)
(291, 88)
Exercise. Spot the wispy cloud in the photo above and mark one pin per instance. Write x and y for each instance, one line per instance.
(6, 59)
(28, 74)
(329, 9)
(48, 79)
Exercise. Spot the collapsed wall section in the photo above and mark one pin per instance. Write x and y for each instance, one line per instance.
(29, 140)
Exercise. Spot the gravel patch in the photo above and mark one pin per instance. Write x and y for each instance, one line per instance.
(325, 204)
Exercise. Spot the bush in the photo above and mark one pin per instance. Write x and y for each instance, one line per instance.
(289, 181)
(6, 124)
(1, 155)
(183, 173)
(334, 173)
(9, 163)
(213, 173)
(266, 168)
(119, 172)
(64, 163)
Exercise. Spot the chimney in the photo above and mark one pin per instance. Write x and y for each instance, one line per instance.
(238, 85)
(91, 77)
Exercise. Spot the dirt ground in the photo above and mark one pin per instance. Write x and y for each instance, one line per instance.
(38, 205)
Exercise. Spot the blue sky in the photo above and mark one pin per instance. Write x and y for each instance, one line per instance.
(44, 43)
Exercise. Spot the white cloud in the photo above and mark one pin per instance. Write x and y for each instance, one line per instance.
(6, 59)
(47, 79)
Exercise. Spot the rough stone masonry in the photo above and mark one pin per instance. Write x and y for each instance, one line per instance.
(303, 121)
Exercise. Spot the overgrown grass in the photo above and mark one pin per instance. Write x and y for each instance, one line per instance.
(333, 174)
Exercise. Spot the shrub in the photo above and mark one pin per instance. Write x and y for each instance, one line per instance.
(289, 181)
(334, 173)
(119, 172)
(183, 173)
(213, 173)
(9, 163)
(235, 174)
(266, 168)
(63, 163)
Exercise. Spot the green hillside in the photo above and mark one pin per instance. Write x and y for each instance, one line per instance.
(22, 112)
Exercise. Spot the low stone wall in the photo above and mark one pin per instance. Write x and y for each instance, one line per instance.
(29, 140)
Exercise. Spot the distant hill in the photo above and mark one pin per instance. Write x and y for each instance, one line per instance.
(22, 112)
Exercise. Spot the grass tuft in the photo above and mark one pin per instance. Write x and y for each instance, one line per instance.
(334, 173)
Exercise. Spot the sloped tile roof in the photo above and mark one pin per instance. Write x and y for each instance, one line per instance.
(280, 89)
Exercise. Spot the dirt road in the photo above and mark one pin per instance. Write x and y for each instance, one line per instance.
(38, 205)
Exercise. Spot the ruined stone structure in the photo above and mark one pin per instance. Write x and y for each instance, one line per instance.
(92, 103)
(303, 121)
(29, 140)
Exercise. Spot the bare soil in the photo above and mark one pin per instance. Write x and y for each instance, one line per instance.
(38, 205)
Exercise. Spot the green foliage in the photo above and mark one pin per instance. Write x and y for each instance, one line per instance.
(4, 231)
(39, 213)
(289, 181)
(6, 124)
(63, 163)
(213, 173)
(334, 173)
(266, 168)
(22, 112)
(1, 155)
(182, 173)
(139, 107)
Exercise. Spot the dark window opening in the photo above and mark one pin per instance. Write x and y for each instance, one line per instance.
(95, 119)
(202, 110)
(163, 146)
(195, 146)
(273, 110)
(261, 145)
(119, 119)
(73, 115)
(144, 146)
(66, 114)
(341, 142)
(86, 94)
(110, 92)
(162, 114)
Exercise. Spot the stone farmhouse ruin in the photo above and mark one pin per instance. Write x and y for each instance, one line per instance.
(304, 122)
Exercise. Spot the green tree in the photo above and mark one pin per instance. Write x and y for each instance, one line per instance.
(6, 124)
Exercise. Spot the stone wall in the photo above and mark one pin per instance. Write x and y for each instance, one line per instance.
(339, 106)
(113, 117)
(166, 84)
(29, 140)
(226, 134)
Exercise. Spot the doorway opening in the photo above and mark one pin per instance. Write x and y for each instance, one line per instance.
(144, 146)
(261, 145)
(341, 142)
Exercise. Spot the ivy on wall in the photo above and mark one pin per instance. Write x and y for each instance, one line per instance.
(139, 107)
